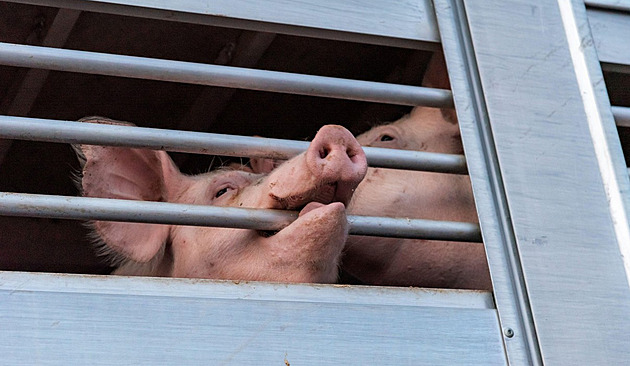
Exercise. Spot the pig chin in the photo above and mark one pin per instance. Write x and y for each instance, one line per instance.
(314, 242)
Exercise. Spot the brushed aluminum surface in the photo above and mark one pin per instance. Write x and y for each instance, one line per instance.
(563, 171)
(51, 319)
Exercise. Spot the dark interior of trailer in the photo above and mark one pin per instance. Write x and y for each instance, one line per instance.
(53, 245)
(31, 244)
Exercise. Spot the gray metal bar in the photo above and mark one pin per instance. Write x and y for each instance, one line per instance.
(622, 116)
(89, 208)
(216, 75)
(396, 23)
(609, 4)
(208, 143)
(610, 30)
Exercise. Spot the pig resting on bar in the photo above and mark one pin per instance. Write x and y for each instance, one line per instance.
(318, 183)
(411, 194)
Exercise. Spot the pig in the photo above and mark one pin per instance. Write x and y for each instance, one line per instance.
(319, 183)
(411, 194)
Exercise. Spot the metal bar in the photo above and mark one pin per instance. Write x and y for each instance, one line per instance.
(610, 30)
(89, 208)
(622, 116)
(609, 4)
(216, 75)
(21, 128)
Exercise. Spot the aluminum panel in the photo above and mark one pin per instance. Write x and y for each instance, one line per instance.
(611, 32)
(563, 172)
(401, 23)
(494, 216)
(70, 319)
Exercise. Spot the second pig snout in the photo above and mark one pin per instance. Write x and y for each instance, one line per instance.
(336, 156)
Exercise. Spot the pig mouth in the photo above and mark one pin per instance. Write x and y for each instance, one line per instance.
(305, 202)
(325, 194)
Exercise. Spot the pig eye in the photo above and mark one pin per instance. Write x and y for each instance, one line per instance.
(222, 191)
(387, 138)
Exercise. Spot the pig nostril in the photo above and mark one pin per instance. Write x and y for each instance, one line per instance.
(323, 153)
(350, 153)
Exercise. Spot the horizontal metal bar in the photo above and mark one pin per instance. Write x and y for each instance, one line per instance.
(21, 128)
(216, 75)
(89, 208)
(622, 116)
(610, 31)
(609, 4)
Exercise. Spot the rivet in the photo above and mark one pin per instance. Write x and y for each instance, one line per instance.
(508, 332)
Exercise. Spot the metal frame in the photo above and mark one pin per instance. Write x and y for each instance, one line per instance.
(551, 203)
(96, 320)
(561, 285)
(414, 21)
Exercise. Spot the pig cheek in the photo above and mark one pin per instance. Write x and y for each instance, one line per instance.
(206, 252)
(382, 189)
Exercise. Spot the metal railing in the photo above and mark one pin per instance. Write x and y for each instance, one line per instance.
(89, 208)
(21, 128)
(216, 144)
(216, 75)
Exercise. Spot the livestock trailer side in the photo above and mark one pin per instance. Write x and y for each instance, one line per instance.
(532, 84)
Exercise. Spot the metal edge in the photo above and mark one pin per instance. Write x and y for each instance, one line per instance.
(510, 292)
(244, 290)
(427, 39)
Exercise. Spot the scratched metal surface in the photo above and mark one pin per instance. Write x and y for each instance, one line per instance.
(611, 31)
(564, 175)
(414, 20)
(70, 319)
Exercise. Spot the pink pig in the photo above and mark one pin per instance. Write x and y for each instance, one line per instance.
(410, 194)
(319, 183)
(424, 195)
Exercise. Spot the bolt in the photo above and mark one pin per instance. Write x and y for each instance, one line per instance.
(508, 332)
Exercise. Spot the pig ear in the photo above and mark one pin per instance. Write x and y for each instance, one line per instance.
(134, 174)
(263, 165)
(436, 76)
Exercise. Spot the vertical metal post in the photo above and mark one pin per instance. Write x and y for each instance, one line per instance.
(509, 288)
(556, 176)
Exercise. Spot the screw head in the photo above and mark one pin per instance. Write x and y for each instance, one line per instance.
(508, 332)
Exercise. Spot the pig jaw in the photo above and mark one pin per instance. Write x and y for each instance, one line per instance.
(308, 250)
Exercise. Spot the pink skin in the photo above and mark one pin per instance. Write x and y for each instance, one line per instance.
(435, 196)
(319, 183)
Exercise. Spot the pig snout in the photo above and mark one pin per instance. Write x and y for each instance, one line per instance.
(337, 159)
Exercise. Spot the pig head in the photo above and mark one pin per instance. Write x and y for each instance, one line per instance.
(318, 183)
(412, 194)
(422, 195)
